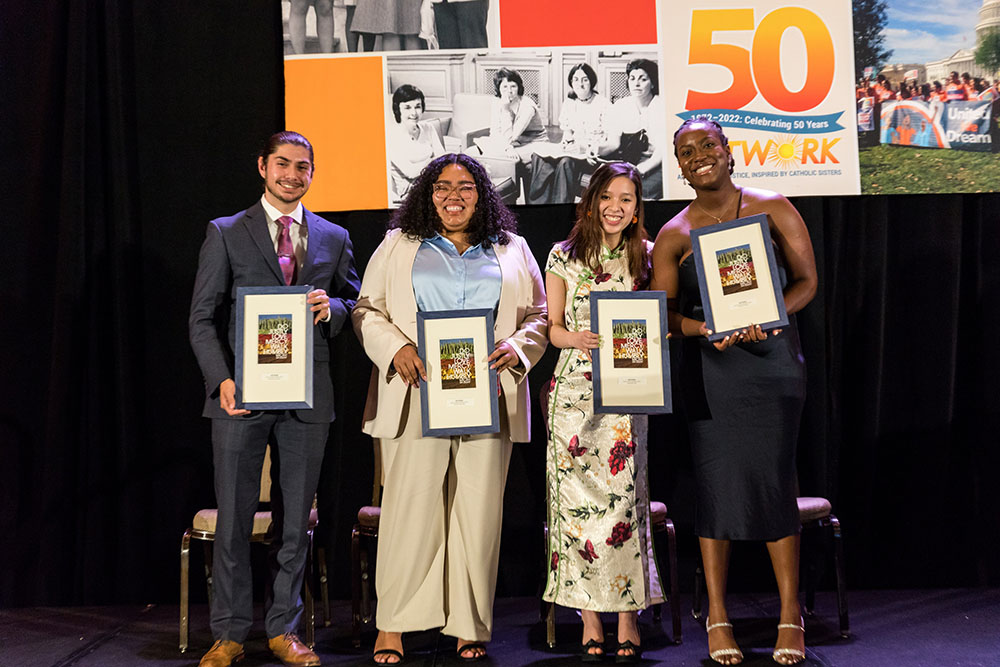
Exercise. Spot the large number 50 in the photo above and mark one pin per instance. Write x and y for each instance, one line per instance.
(764, 60)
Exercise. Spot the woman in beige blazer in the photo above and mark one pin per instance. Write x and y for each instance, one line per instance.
(450, 246)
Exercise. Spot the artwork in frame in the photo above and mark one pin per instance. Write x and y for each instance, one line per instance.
(738, 276)
(460, 394)
(632, 364)
(274, 348)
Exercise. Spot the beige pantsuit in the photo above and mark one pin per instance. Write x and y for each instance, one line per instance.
(442, 504)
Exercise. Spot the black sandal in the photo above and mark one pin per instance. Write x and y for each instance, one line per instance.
(627, 658)
(471, 646)
(387, 651)
(587, 656)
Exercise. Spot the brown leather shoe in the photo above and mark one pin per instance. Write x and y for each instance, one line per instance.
(291, 651)
(222, 654)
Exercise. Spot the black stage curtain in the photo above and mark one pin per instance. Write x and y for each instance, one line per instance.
(127, 125)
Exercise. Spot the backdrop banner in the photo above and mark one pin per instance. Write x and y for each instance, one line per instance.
(778, 77)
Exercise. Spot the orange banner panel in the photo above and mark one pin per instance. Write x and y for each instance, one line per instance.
(337, 103)
(530, 23)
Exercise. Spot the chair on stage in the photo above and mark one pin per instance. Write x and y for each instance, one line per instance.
(659, 522)
(364, 535)
(203, 528)
(816, 516)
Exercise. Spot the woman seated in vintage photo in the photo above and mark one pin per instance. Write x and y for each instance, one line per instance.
(411, 142)
(515, 122)
(636, 129)
(583, 121)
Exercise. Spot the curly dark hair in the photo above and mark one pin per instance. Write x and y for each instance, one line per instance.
(584, 241)
(417, 217)
(718, 129)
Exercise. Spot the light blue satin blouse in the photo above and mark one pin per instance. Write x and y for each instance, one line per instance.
(445, 280)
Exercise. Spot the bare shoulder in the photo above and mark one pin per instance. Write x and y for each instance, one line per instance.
(777, 207)
(676, 233)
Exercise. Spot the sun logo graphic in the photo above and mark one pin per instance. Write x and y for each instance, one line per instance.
(785, 151)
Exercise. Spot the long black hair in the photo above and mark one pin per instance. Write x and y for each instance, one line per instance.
(492, 222)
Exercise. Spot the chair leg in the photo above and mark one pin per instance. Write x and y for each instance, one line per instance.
(699, 579)
(675, 601)
(356, 587)
(207, 546)
(310, 607)
(550, 626)
(838, 563)
(324, 586)
(811, 576)
(185, 579)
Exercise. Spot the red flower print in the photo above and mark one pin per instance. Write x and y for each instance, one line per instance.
(589, 376)
(620, 454)
(619, 534)
(555, 561)
(574, 447)
(588, 553)
(602, 278)
(552, 384)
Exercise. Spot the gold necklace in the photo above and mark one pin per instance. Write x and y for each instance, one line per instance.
(739, 192)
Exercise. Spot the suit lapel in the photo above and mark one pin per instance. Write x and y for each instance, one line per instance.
(508, 269)
(255, 222)
(314, 241)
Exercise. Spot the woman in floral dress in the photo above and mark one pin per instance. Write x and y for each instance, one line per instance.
(599, 540)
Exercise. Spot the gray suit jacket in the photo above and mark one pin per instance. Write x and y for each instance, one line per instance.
(238, 252)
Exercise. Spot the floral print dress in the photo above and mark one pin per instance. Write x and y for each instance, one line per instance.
(600, 548)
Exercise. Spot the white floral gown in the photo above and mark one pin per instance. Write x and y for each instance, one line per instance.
(600, 548)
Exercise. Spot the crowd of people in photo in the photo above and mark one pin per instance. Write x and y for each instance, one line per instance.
(957, 88)
(551, 164)
(919, 117)
(453, 245)
(348, 26)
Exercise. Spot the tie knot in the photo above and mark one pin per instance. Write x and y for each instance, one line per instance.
(286, 221)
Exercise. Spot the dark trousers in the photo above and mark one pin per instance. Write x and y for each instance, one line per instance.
(296, 457)
(461, 25)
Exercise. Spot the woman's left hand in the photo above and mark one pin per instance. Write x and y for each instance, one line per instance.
(503, 357)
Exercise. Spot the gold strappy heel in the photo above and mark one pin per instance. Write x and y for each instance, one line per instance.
(723, 652)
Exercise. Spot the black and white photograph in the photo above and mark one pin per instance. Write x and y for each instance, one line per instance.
(368, 26)
(540, 121)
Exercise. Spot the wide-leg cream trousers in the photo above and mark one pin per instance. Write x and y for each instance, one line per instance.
(439, 531)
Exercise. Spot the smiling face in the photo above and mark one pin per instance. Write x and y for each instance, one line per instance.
(616, 206)
(455, 197)
(580, 83)
(639, 83)
(410, 112)
(701, 154)
(287, 173)
(508, 90)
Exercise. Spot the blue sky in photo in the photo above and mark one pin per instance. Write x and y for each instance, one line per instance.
(919, 31)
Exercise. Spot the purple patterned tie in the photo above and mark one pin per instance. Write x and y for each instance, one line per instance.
(286, 254)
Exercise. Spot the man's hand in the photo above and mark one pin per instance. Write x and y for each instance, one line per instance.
(320, 305)
(227, 398)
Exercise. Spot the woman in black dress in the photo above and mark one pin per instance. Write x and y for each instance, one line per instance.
(743, 394)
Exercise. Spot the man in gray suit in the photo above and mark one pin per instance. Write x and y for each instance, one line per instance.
(274, 242)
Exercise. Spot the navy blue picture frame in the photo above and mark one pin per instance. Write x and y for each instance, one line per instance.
(596, 299)
(291, 290)
(759, 220)
(486, 316)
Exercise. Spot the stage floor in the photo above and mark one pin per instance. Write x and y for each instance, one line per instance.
(932, 628)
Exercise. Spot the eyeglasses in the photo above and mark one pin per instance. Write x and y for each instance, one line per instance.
(465, 190)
